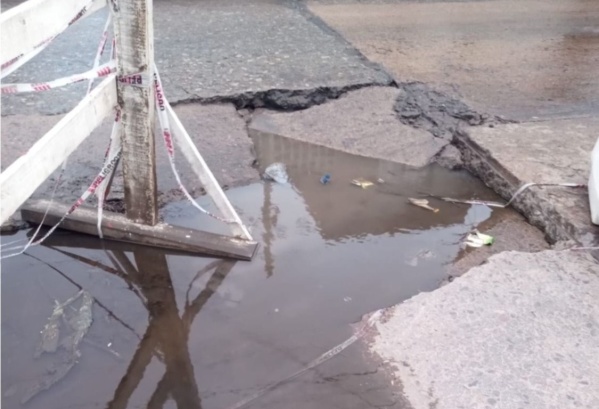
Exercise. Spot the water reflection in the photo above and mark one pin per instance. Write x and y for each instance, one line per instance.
(198, 332)
(270, 215)
(167, 334)
(341, 210)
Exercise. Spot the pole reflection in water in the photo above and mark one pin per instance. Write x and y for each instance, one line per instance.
(167, 333)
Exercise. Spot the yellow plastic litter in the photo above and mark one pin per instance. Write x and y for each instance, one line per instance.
(363, 183)
(422, 203)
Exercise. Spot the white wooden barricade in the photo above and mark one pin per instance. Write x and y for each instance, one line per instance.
(25, 30)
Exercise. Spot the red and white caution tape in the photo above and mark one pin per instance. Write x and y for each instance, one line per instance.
(170, 149)
(39, 227)
(99, 53)
(100, 50)
(11, 66)
(136, 80)
(99, 72)
(115, 137)
(113, 148)
(14, 64)
(107, 169)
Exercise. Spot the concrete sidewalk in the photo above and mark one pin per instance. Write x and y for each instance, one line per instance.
(521, 331)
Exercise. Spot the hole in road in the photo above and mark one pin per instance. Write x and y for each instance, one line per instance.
(212, 332)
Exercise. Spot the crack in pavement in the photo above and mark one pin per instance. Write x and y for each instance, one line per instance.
(281, 99)
(422, 106)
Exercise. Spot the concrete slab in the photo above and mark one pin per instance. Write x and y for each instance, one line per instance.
(506, 156)
(517, 58)
(361, 122)
(521, 331)
(212, 50)
(217, 130)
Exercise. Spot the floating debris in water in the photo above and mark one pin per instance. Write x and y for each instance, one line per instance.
(422, 203)
(53, 375)
(277, 172)
(51, 331)
(471, 202)
(422, 255)
(521, 189)
(79, 323)
(361, 182)
(101, 347)
(478, 239)
(67, 358)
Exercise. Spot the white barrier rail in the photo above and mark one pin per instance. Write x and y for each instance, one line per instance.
(28, 172)
(26, 30)
(30, 25)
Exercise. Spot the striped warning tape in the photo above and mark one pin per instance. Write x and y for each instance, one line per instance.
(114, 146)
(108, 167)
(102, 189)
(137, 80)
(100, 50)
(168, 142)
(15, 63)
(99, 72)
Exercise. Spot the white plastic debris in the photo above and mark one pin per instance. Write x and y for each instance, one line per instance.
(277, 172)
(477, 239)
(422, 203)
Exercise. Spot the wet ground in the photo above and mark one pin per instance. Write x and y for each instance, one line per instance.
(195, 332)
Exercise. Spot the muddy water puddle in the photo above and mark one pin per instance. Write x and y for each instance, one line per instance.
(178, 331)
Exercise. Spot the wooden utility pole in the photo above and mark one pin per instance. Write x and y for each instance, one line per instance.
(135, 49)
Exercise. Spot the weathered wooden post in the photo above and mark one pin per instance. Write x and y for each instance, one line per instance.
(133, 30)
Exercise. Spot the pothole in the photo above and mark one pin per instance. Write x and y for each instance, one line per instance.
(329, 253)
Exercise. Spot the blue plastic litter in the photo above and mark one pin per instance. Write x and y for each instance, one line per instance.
(325, 179)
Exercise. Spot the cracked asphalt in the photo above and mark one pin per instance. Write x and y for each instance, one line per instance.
(266, 54)
(211, 51)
